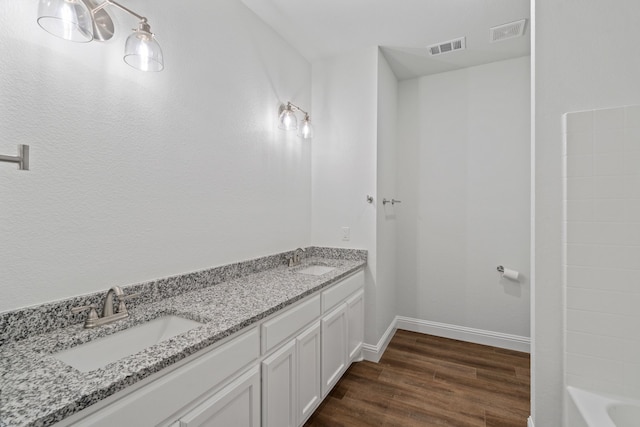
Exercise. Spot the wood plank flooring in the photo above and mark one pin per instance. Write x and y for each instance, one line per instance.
(423, 380)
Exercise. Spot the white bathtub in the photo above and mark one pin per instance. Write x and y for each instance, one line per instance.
(595, 410)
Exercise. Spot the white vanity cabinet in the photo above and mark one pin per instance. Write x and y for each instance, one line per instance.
(301, 373)
(274, 374)
(291, 387)
(342, 328)
(291, 375)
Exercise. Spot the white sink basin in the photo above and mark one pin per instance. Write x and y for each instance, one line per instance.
(102, 351)
(316, 270)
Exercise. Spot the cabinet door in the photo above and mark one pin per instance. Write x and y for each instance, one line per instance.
(309, 384)
(356, 324)
(279, 387)
(238, 405)
(334, 347)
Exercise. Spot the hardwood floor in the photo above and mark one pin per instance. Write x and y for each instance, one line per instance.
(423, 380)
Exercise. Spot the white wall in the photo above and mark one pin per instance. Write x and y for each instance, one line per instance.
(603, 250)
(344, 160)
(386, 224)
(464, 174)
(136, 176)
(584, 59)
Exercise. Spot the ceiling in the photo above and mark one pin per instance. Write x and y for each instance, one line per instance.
(402, 28)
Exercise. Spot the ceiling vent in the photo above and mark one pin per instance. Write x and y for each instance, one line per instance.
(507, 31)
(446, 47)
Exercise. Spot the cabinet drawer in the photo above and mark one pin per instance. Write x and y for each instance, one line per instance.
(161, 398)
(281, 327)
(339, 292)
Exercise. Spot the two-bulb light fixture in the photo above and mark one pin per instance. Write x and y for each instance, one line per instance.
(84, 21)
(288, 120)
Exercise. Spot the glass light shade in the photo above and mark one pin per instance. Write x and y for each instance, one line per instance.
(288, 120)
(67, 19)
(143, 52)
(306, 130)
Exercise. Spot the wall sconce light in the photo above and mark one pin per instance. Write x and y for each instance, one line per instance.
(83, 21)
(288, 120)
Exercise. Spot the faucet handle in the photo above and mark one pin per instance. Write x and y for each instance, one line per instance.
(93, 314)
(76, 310)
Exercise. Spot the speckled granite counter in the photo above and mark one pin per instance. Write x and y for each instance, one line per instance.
(38, 389)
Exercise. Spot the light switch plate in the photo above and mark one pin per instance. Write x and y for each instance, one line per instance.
(346, 234)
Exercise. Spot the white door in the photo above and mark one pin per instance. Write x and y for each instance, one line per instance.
(309, 384)
(238, 405)
(334, 347)
(279, 388)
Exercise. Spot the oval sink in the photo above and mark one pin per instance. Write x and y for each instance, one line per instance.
(100, 352)
(316, 270)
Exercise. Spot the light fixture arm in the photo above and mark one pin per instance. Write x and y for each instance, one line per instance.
(119, 6)
(296, 108)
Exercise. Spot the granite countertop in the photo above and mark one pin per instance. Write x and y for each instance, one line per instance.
(38, 389)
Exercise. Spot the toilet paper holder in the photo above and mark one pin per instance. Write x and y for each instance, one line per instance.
(509, 274)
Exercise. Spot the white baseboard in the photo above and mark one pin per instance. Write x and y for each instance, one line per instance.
(530, 422)
(462, 333)
(373, 353)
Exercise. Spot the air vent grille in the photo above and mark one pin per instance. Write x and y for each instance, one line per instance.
(446, 47)
(507, 31)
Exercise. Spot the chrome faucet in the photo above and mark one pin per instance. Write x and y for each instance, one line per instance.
(108, 314)
(295, 259)
(107, 308)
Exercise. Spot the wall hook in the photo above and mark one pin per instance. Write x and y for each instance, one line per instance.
(369, 199)
(22, 159)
